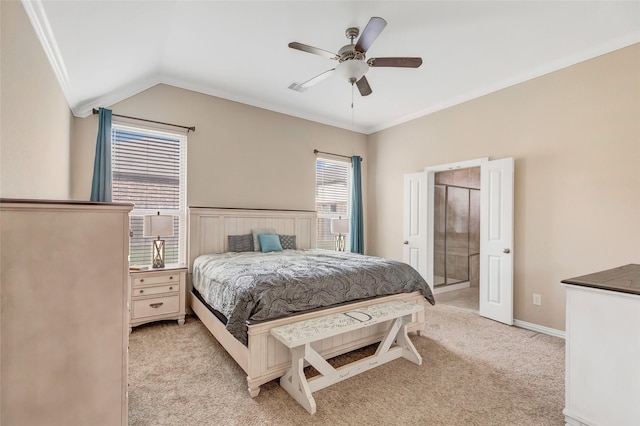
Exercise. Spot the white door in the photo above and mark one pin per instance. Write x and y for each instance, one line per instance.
(496, 240)
(415, 224)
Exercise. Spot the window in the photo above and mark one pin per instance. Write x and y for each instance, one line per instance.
(149, 170)
(333, 198)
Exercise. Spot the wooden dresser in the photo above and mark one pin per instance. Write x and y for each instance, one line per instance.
(602, 381)
(64, 314)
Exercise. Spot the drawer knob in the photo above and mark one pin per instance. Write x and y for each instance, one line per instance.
(141, 291)
(142, 280)
(170, 288)
(156, 305)
(170, 278)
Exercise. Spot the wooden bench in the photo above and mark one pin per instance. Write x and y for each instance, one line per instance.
(299, 336)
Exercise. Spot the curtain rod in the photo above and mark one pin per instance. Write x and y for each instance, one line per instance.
(192, 128)
(315, 151)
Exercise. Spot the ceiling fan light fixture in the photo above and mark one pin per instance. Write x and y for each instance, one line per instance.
(352, 64)
(352, 70)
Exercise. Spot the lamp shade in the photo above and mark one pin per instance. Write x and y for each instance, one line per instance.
(157, 226)
(339, 226)
(352, 70)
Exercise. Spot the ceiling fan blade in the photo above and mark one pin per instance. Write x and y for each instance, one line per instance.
(370, 33)
(314, 50)
(363, 86)
(317, 79)
(395, 62)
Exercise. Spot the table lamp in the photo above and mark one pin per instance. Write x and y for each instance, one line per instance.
(158, 226)
(340, 227)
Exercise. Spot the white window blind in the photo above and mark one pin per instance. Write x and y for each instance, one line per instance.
(149, 170)
(333, 198)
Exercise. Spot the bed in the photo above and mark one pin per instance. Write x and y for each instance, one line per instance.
(248, 340)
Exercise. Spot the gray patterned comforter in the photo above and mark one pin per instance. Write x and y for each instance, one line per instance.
(261, 286)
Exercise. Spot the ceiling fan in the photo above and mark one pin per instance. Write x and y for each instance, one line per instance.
(352, 62)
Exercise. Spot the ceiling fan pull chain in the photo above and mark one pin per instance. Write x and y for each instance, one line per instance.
(352, 105)
(352, 109)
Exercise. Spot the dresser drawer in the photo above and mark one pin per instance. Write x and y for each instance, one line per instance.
(157, 279)
(158, 289)
(155, 306)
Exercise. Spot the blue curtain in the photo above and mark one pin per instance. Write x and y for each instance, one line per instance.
(357, 221)
(101, 185)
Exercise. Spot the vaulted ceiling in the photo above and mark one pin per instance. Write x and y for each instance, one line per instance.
(106, 51)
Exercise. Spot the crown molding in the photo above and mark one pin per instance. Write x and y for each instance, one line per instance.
(85, 108)
(40, 22)
(542, 70)
(206, 90)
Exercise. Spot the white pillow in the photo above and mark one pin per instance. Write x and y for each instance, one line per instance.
(256, 241)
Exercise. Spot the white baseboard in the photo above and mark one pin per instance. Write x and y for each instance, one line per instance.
(539, 328)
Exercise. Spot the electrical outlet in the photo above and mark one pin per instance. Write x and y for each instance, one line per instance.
(537, 299)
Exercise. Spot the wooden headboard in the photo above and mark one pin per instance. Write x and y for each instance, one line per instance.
(209, 227)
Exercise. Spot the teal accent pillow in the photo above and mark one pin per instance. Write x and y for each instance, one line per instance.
(256, 232)
(269, 242)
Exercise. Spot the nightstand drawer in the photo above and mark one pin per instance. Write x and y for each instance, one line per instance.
(159, 289)
(157, 279)
(155, 306)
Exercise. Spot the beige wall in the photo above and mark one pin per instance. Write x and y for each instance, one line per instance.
(239, 156)
(575, 137)
(35, 123)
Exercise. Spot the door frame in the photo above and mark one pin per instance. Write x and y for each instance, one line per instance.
(502, 282)
(505, 316)
(431, 171)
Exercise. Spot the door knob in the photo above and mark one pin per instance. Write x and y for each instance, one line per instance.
(506, 251)
(406, 242)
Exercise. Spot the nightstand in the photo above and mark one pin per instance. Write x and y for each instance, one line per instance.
(157, 294)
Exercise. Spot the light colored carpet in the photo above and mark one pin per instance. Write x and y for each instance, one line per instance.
(467, 298)
(475, 372)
